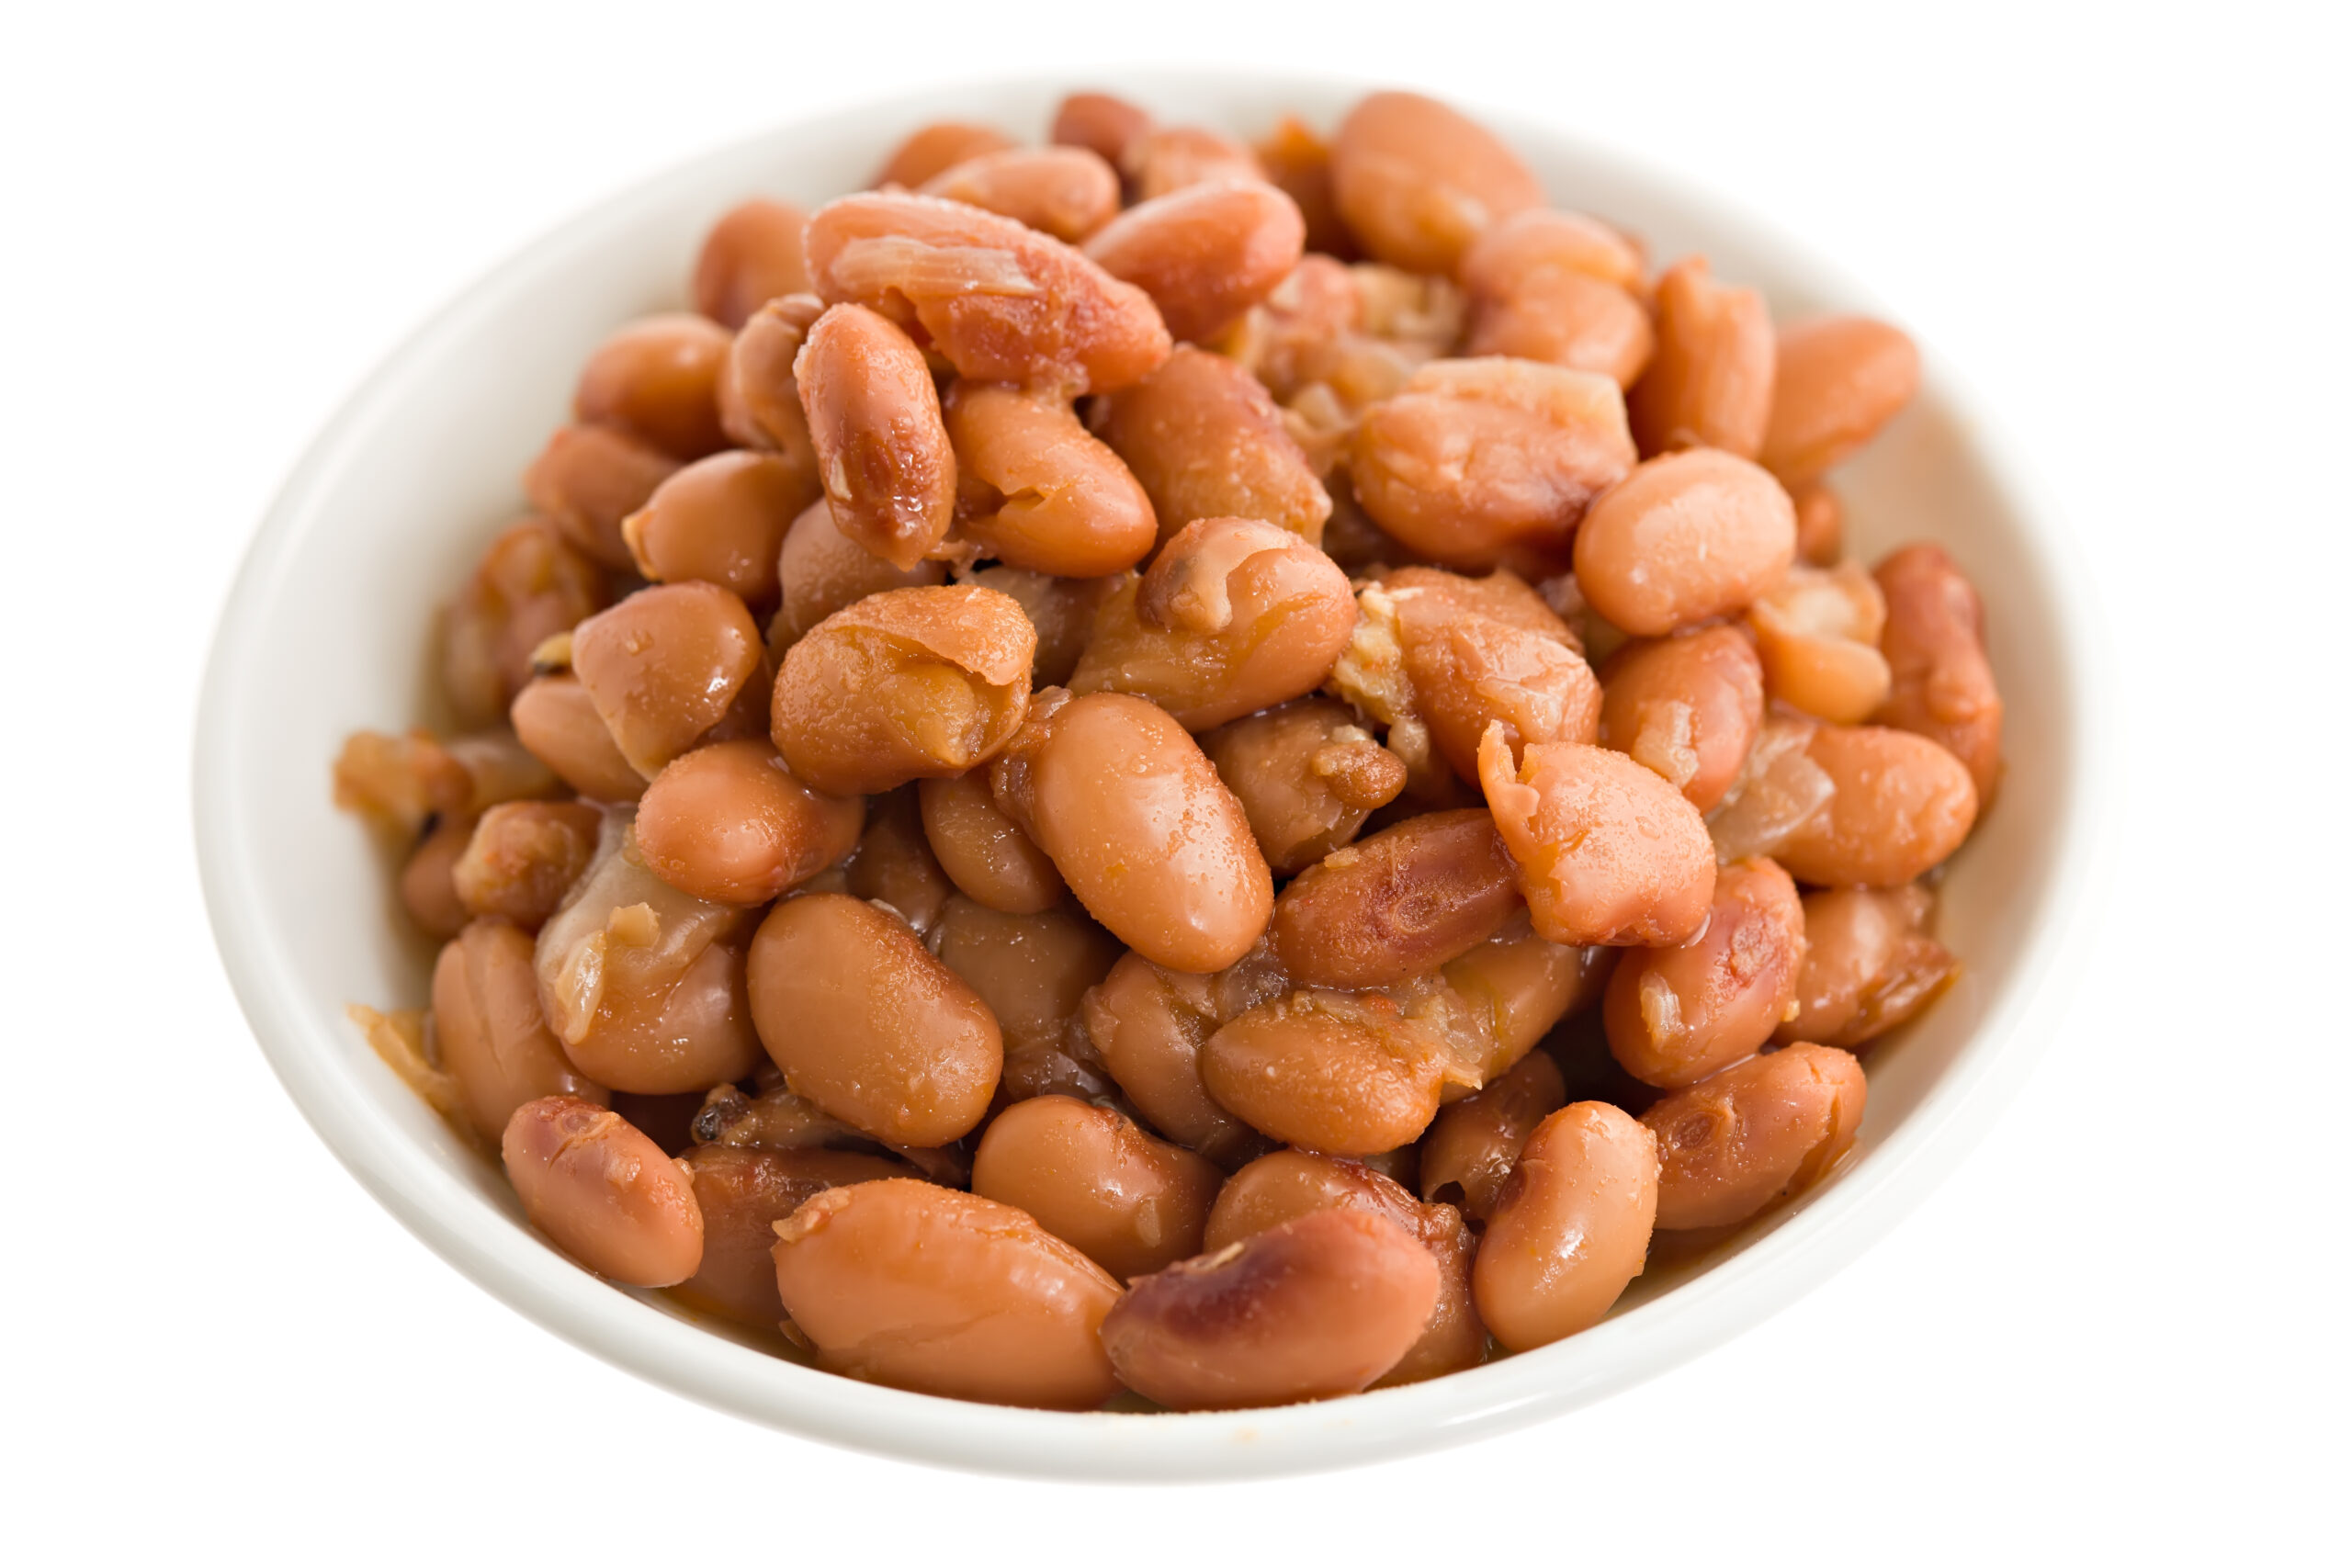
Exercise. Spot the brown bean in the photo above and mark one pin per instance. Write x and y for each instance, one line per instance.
(729, 822)
(1330, 1071)
(1232, 616)
(1900, 804)
(405, 783)
(1480, 459)
(1470, 1150)
(1517, 985)
(915, 682)
(759, 396)
(1298, 162)
(865, 1022)
(1032, 970)
(428, 884)
(1100, 122)
(1304, 329)
(1821, 523)
(752, 254)
(1416, 182)
(1710, 381)
(1307, 775)
(894, 865)
(1677, 1014)
(664, 665)
(1036, 491)
(1205, 439)
(1572, 1227)
(557, 720)
(1608, 851)
(1147, 1026)
(588, 479)
(1068, 192)
(1686, 707)
(1566, 318)
(1817, 635)
(984, 851)
(1206, 252)
(601, 1191)
(1168, 158)
(1397, 904)
(1767, 1128)
(722, 521)
(1836, 381)
(882, 448)
(822, 570)
(932, 149)
(743, 1192)
(1934, 642)
(1001, 302)
(1062, 610)
(1683, 538)
(1090, 1176)
(494, 1040)
(1542, 242)
(1870, 965)
(657, 379)
(919, 1287)
(523, 857)
(1165, 858)
(529, 585)
(1479, 650)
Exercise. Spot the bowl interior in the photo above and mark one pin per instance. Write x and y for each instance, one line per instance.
(329, 631)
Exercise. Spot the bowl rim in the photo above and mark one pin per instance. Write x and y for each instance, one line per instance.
(1830, 1229)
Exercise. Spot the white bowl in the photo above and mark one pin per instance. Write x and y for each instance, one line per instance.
(327, 631)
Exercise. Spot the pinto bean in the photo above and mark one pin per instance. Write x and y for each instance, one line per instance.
(1036, 492)
(1298, 162)
(1167, 158)
(1090, 1176)
(1205, 439)
(557, 720)
(1677, 1014)
(428, 885)
(1942, 683)
(721, 520)
(729, 823)
(1330, 1071)
(752, 254)
(1765, 1129)
(1899, 805)
(1685, 537)
(1068, 192)
(1307, 775)
(743, 1192)
(664, 665)
(1062, 610)
(529, 585)
(1032, 970)
(1710, 381)
(1515, 985)
(1470, 1150)
(1104, 125)
(1480, 651)
(759, 396)
(1417, 182)
(1870, 965)
(657, 379)
(894, 865)
(923, 1288)
(822, 570)
(874, 419)
(1567, 318)
(984, 851)
(494, 1040)
(1821, 523)
(1147, 1026)
(1571, 1228)
(601, 1191)
(1687, 707)
(1204, 253)
(1540, 243)
(1836, 381)
(588, 479)
(931, 150)
(523, 856)
(1817, 635)
(1397, 904)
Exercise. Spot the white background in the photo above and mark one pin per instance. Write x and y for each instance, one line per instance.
(2116, 1333)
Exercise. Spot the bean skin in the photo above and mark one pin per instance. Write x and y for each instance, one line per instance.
(1312, 1309)
(1148, 1025)
(494, 1040)
(1683, 538)
(1900, 804)
(1572, 1227)
(1397, 904)
(523, 857)
(753, 254)
(530, 584)
(932, 149)
(821, 571)
(923, 1288)
(984, 851)
(1710, 381)
(1068, 192)
(1416, 182)
(721, 520)
(1765, 1129)
(557, 722)
(729, 822)
(1205, 439)
(1942, 684)
(1836, 381)
(1869, 966)
(1686, 707)
(1677, 1014)
(1090, 1176)
(1470, 1150)
(664, 665)
(1542, 242)
(1821, 524)
(588, 479)
(1307, 775)
(1330, 1071)
(1104, 125)
(866, 1022)
(1519, 985)
(601, 1191)
(1570, 319)
(759, 396)
(657, 379)
(1206, 252)
(1037, 491)
(1298, 162)
(874, 419)
(1062, 608)
(743, 1192)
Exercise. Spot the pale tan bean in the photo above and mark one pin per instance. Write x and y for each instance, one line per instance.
(602, 1192)
(1147, 1026)
(822, 570)
(657, 379)
(1416, 182)
(729, 822)
(1090, 1176)
(1068, 192)
(1942, 683)
(1870, 965)
(1037, 491)
(721, 520)
(1204, 439)
(983, 850)
(1540, 243)
(1206, 252)
(557, 720)
(1566, 318)
(1307, 775)
(759, 396)
(752, 254)
(1816, 637)
(1331, 1071)
(1837, 380)
(587, 479)
(1767, 1128)
(1471, 1148)
(1399, 904)
(874, 419)
(1899, 805)
(931, 150)
(743, 1192)
(529, 585)
(1104, 125)
(894, 865)
(494, 1040)
(1677, 1014)
(1572, 1227)
(1686, 707)
(428, 884)
(919, 1287)
(1710, 381)
(523, 857)
(664, 665)
(1685, 537)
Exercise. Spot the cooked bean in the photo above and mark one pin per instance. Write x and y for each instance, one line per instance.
(1567, 318)
(1676, 1014)
(1307, 775)
(1148, 1025)
(1710, 381)
(752, 254)
(405, 783)
(1766, 1129)
(1417, 183)
(1836, 381)
(1869, 966)
(1397, 904)
(1168, 158)
(984, 851)
(1934, 643)
(1471, 1148)
(1205, 439)
(722, 521)
(664, 665)
(1517, 985)
(1899, 805)
(882, 448)
(919, 1287)
(1479, 650)
(1571, 1228)
(1817, 635)
(915, 682)
(1476, 459)
(1312, 1309)
(1032, 970)
(1821, 523)
(494, 1040)
(1068, 192)
(1541, 243)
(523, 857)
(1686, 707)
(1090, 1176)
(1331, 1071)
(529, 585)
(1164, 858)
(822, 570)
(932, 149)
(1608, 851)
(1205, 253)
(1778, 788)
(1001, 301)
(729, 822)
(1062, 609)
(1685, 537)
(759, 396)
(558, 720)
(865, 1022)
(428, 878)
(1036, 490)
(601, 1191)
(894, 865)
(1105, 125)
(743, 1192)
(1232, 616)
(1302, 333)
(657, 379)
(588, 479)
(1298, 162)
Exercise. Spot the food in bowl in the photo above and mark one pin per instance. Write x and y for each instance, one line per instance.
(1227, 773)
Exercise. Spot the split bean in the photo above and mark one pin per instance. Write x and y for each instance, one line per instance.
(1470, 1150)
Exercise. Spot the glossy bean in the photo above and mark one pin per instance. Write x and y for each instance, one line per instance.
(894, 865)
(1470, 1150)
(1676, 1014)
(1032, 970)
(729, 822)
(1683, 538)
(882, 448)
(1129, 1202)
(657, 379)
(759, 395)
(931, 150)
(557, 720)
(523, 857)
(1307, 775)
(1836, 381)
(1821, 523)
(1570, 320)
(1417, 183)
(1817, 635)
(1397, 904)
(721, 520)
(664, 665)
(1331, 1071)
(1571, 1228)
(821, 569)
(1206, 252)
(601, 1191)
(1515, 985)
(1103, 124)
(1686, 707)
(1205, 439)
(1870, 965)
(1899, 804)
(588, 479)
(1542, 242)
(752, 254)
(742, 1193)
(1298, 162)
(1036, 490)
(1709, 382)
(494, 1040)
(1148, 1025)
(1482, 650)
(1765, 1129)
(428, 885)
(1940, 681)
(529, 585)
(983, 850)
(1062, 610)
(1068, 192)
(1168, 158)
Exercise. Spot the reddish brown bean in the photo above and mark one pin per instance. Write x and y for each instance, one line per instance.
(664, 665)
(1068, 192)
(882, 448)
(1870, 965)
(1572, 1227)
(894, 865)
(1312, 1309)
(1147, 1026)
(557, 720)
(1514, 988)
(523, 857)
(588, 479)
(1062, 609)
(721, 520)
(1767, 1128)
(1307, 775)
(1899, 805)
(1104, 125)
(1710, 381)
(1205, 439)
(1821, 523)
(1686, 707)
(657, 379)
(494, 1040)
(729, 822)
(1298, 161)
(932, 149)
(1036, 491)
(1090, 1176)
(1482, 650)
(1206, 252)
(752, 254)
(821, 569)
(1168, 158)
(743, 1192)
(1397, 904)
(862, 1020)
(529, 585)
(1566, 318)
(1469, 1151)
(428, 878)
(1417, 182)
(1836, 381)
(1331, 1071)
(601, 1191)
(759, 396)
(1817, 635)
(1032, 971)
(1677, 1014)
(1683, 538)
(1934, 642)
(983, 850)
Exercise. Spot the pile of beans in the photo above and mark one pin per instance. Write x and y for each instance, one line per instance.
(1225, 772)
